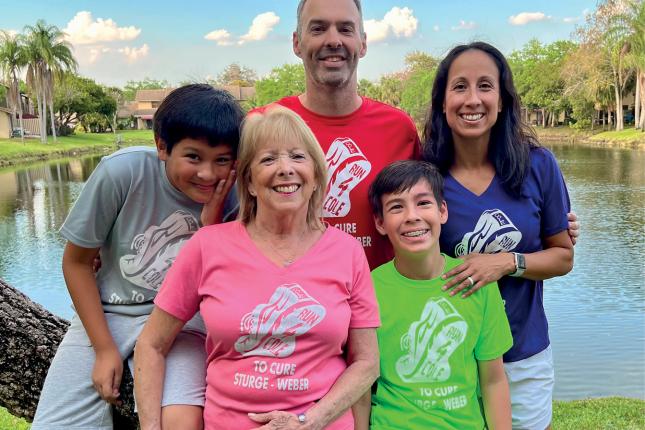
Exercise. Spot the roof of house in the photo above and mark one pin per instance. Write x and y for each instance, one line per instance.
(152, 95)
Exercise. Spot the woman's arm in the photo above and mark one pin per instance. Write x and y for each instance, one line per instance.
(362, 371)
(153, 344)
(81, 284)
(495, 394)
(555, 259)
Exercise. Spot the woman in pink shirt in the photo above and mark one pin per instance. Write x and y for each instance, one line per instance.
(287, 300)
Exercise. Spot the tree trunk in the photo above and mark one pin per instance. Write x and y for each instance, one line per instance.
(642, 116)
(543, 118)
(29, 337)
(637, 100)
(619, 108)
(51, 116)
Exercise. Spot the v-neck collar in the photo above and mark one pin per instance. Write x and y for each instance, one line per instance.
(244, 234)
(467, 190)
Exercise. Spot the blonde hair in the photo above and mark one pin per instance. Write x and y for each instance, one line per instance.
(278, 124)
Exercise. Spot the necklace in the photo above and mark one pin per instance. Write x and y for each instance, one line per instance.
(288, 253)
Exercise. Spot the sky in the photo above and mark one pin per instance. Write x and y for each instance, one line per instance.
(116, 41)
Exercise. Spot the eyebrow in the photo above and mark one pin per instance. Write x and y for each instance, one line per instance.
(416, 196)
(326, 22)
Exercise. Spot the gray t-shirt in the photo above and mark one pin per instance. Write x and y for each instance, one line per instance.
(139, 220)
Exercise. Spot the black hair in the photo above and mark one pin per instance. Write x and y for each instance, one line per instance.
(510, 139)
(199, 111)
(401, 176)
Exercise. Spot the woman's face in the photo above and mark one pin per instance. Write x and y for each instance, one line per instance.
(473, 96)
(282, 177)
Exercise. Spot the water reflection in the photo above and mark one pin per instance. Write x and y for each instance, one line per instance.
(34, 202)
(596, 313)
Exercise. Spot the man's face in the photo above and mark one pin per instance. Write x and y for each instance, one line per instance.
(331, 42)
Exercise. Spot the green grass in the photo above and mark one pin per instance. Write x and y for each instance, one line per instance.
(626, 135)
(13, 151)
(610, 413)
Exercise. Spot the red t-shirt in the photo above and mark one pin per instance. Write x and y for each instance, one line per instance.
(357, 147)
(276, 336)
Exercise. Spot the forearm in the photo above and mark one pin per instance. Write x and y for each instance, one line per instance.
(149, 371)
(361, 411)
(346, 391)
(497, 405)
(548, 263)
(495, 394)
(82, 287)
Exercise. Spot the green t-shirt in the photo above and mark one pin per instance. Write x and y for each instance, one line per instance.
(430, 343)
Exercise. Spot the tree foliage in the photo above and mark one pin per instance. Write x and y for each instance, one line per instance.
(283, 81)
(234, 74)
(79, 99)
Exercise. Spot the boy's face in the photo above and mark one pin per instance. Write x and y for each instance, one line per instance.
(195, 168)
(412, 219)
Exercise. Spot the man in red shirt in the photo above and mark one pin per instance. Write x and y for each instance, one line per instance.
(359, 136)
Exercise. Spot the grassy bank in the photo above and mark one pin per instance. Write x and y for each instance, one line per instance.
(12, 151)
(628, 137)
(611, 413)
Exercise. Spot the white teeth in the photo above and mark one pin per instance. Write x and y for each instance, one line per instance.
(333, 59)
(286, 188)
(473, 117)
(415, 233)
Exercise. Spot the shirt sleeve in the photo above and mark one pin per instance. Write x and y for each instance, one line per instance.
(495, 337)
(179, 293)
(555, 196)
(92, 217)
(362, 300)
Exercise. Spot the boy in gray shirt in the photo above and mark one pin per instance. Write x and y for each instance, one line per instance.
(137, 209)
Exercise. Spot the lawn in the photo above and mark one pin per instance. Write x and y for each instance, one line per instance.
(611, 413)
(13, 151)
(626, 135)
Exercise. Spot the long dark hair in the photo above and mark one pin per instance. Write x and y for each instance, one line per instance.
(510, 139)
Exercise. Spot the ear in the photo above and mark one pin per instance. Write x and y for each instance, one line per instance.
(296, 44)
(443, 105)
(251, 189)
(363, 49)
(162, 153)
(443, 212)
(378, 222)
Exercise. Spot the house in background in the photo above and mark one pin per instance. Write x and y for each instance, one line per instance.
(30, 121)
(146, 102)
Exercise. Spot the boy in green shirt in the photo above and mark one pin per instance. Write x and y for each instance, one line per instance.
(439, 353)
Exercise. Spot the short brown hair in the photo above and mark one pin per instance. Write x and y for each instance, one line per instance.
(301, 6)
(277, 123)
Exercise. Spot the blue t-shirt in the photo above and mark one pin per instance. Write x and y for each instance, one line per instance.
(498, 222)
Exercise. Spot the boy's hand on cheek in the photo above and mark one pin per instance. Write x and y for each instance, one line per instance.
(476, 271)
(107, 373)
(212, 211)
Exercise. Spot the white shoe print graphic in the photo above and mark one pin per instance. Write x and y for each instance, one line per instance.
(430, 342)
(156, 249)
(271, 328)
(494, 232)
(347, 167)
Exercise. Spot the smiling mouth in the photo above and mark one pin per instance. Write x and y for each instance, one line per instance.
(286, 189)
(416, 233)
(203, 187)
(472, 116)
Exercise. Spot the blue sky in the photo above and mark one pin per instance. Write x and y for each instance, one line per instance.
(115, 41)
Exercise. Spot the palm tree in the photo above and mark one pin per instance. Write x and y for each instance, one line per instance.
(12, 60)
(636, 56)
(49, 56)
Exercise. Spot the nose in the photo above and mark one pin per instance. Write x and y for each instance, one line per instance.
(206, 172)
(411, 215)
(285, 167)
(333, 39)
(473, 97)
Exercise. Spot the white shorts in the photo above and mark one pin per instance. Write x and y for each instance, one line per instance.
(531, 382)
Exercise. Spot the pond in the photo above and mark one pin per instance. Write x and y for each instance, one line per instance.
(596, 313)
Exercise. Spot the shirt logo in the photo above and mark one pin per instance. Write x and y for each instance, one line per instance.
(271, 328)
(156, 249)
(429, 343)
(347, 167)
(494, 232)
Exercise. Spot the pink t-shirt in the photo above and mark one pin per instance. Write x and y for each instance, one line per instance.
(275, 335)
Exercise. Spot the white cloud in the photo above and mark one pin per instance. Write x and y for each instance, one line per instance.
(260, 27)
(569, 20)
(96, 52)
(524, 18)
(398, 22)
(436, 28)
(83, 29)
(463, 25)
(221, 36)
(133, 54)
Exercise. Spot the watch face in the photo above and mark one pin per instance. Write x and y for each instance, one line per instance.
(521, 262)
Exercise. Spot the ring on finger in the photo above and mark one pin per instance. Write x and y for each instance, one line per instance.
(471, 280)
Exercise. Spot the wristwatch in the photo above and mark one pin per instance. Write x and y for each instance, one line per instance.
(302, 418)
(520, 264)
